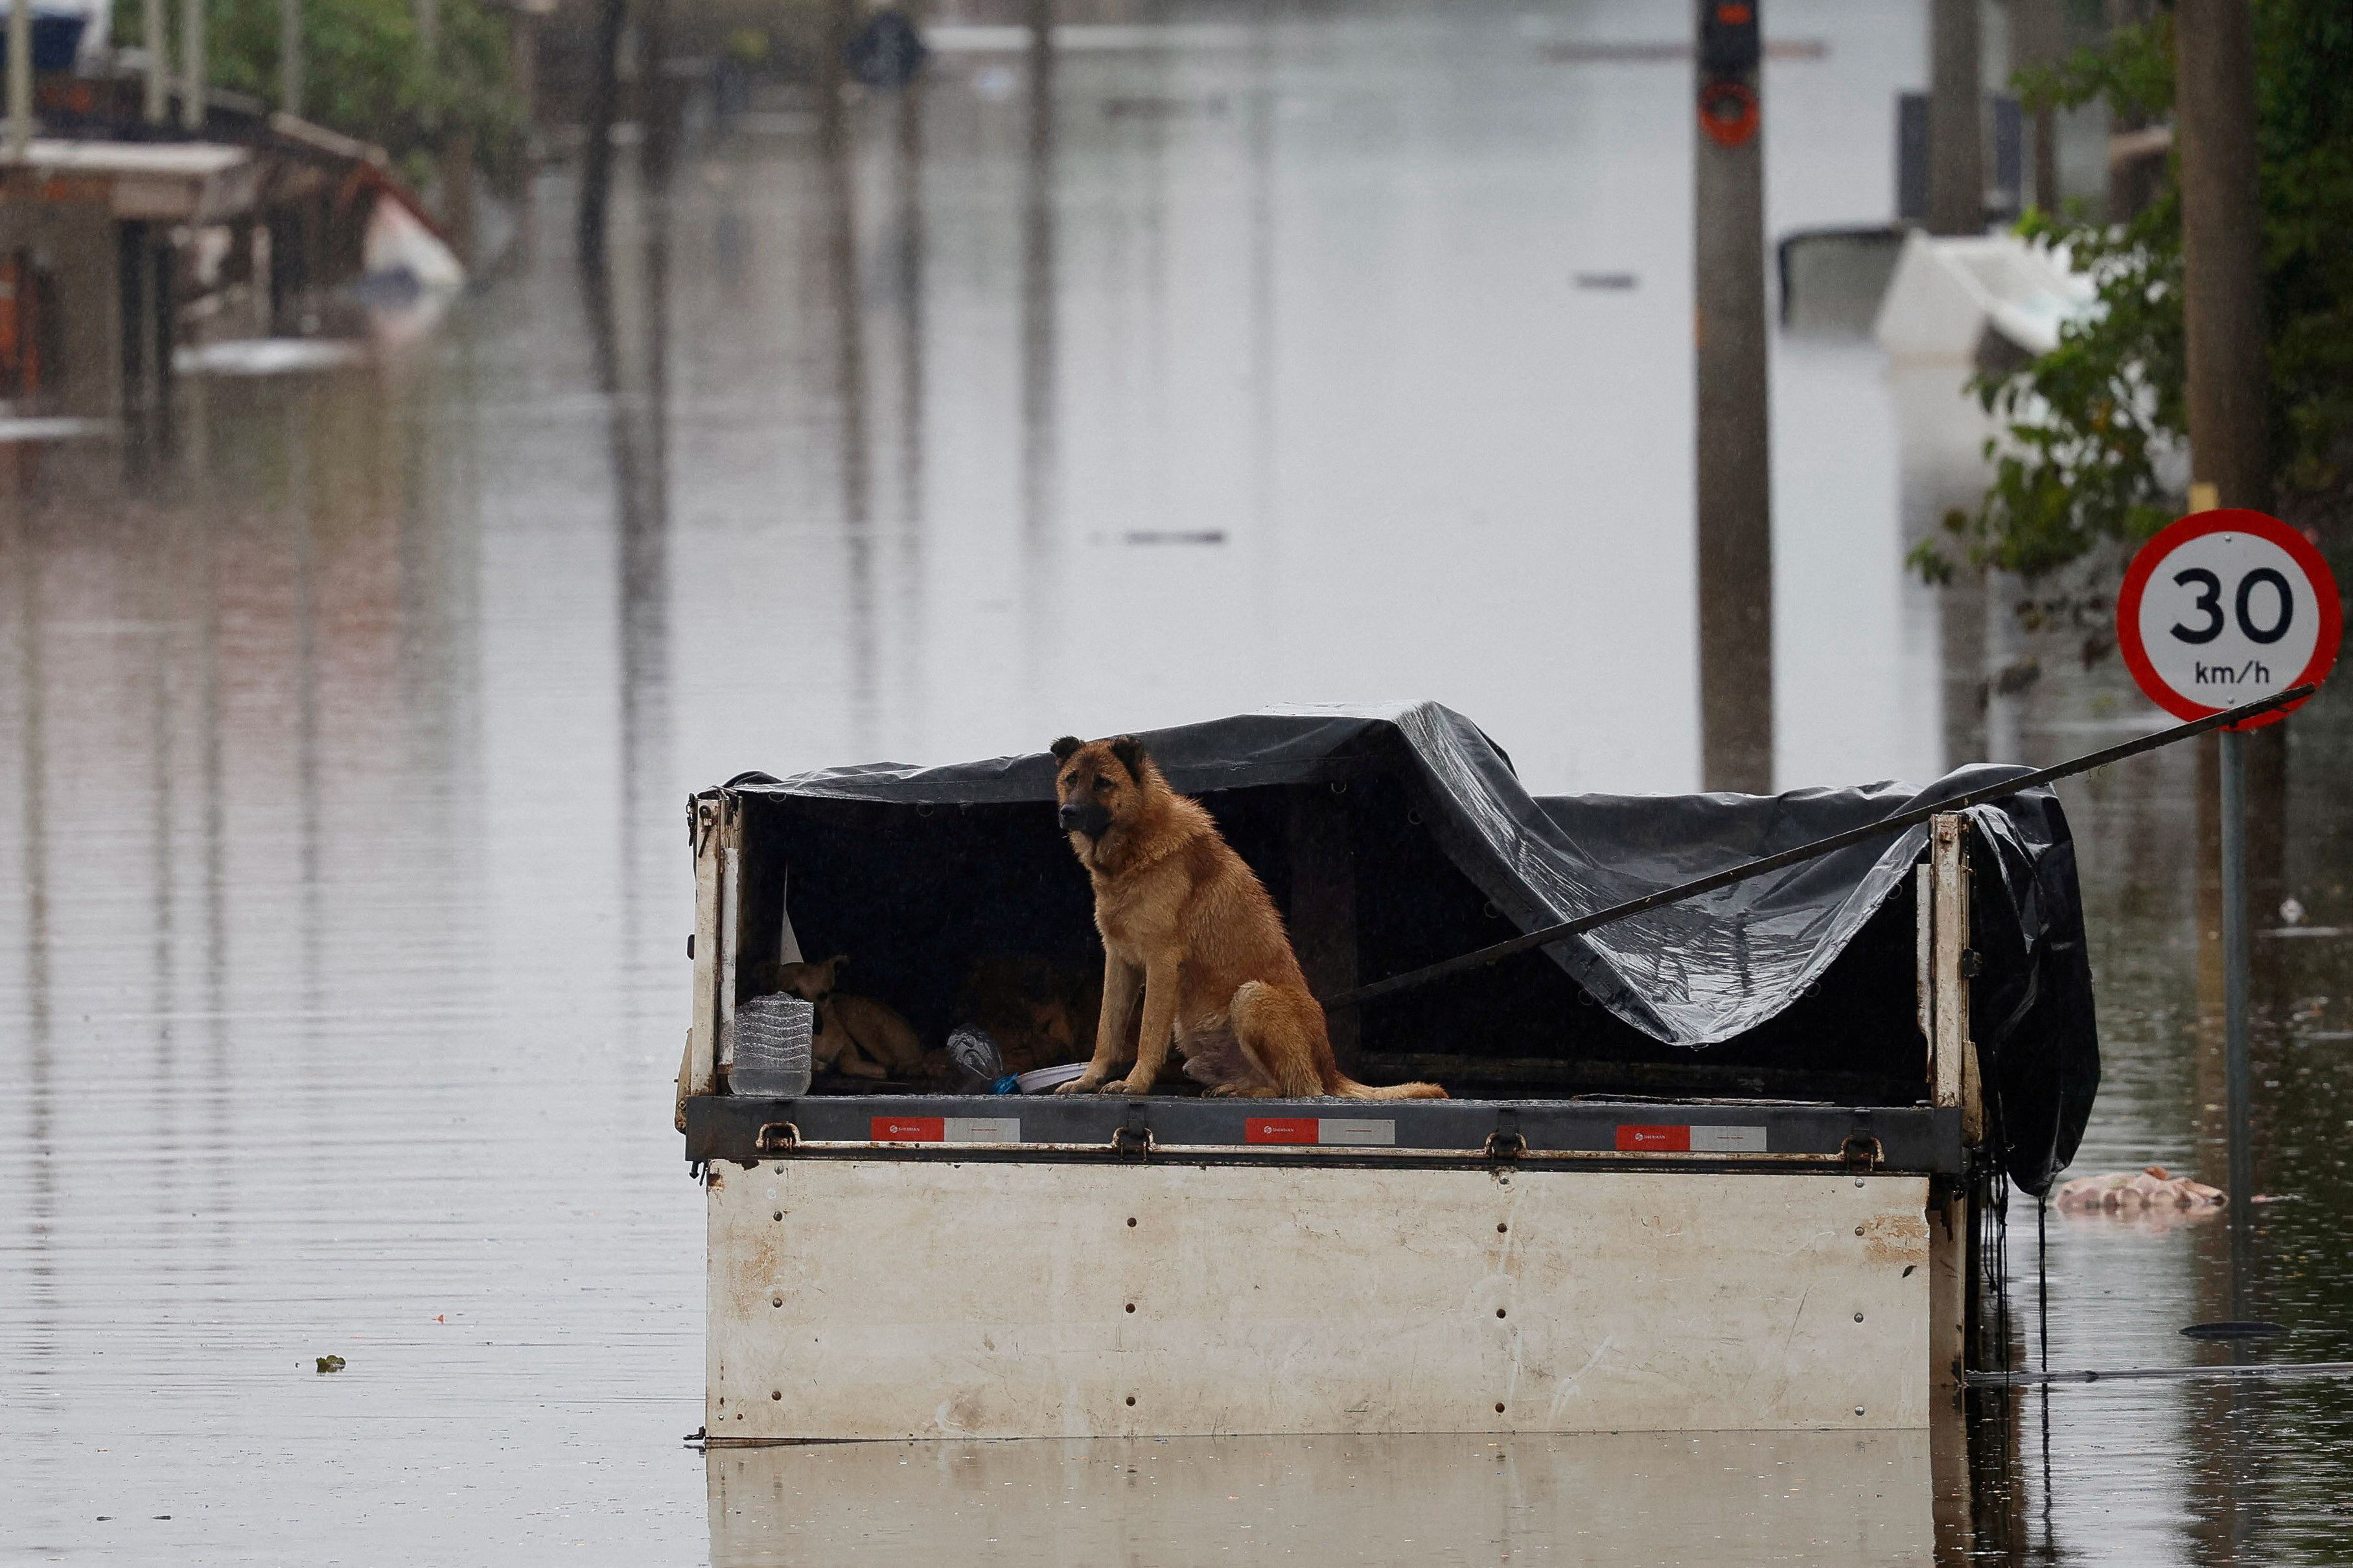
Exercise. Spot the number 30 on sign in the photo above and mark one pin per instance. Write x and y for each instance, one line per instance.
(2223, 607)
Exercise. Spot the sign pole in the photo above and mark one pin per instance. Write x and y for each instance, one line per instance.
(2222, 606)
(2235, 960)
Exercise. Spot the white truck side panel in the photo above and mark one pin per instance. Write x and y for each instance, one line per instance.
(936, 1297)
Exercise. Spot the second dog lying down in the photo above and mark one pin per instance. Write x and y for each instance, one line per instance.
(1190, 935)
(856, 1036)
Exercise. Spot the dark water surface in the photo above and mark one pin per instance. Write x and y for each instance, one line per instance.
(342, 971)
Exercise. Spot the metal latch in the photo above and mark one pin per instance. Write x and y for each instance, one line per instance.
(1506, 1141)
(1131, 1139)
(1861, 1151)
(776, 1138)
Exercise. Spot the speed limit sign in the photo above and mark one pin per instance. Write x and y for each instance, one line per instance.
(2226, 607)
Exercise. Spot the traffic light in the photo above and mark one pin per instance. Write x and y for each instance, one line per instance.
(1728, 45)
(1729, 49)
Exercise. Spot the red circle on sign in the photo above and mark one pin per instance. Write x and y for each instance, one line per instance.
(2226, 520)
(1727, 112)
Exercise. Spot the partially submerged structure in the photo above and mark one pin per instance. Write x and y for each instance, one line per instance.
(120, 246)
(1725, 1164)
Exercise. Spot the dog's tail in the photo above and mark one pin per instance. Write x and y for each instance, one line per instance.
(1349, 1089)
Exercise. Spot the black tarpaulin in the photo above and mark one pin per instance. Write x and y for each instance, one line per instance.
(1730, 966)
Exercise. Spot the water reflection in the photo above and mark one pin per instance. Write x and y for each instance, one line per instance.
(339, 966)
(1685, 1497)
(1040, 426)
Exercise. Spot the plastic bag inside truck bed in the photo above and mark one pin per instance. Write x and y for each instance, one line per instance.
(914, 870)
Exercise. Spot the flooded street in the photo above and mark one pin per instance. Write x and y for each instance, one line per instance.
(1313, 360)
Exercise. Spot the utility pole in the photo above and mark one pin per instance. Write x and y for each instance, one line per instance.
(156, 35)
(20, 79)
(1734, 554)
(426, 15)
(2037, 39)
(1956, 127)
(192, 65)
(596, 157)
(2221, 250)
(290, 56)
(2229, 465)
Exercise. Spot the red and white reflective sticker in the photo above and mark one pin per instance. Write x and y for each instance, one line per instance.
(1691, 1139)
(945, 1130)
(1322, 1130)
(983, 1130)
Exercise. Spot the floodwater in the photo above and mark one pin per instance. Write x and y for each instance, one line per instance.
(1338, 356)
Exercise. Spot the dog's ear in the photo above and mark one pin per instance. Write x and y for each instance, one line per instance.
(1130, 752)
(1065, 748)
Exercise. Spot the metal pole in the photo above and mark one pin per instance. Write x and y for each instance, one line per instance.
(2235, 958)
(1734, 556)
(192, 65)
(156, 34)
(20, 79)
(290, 56)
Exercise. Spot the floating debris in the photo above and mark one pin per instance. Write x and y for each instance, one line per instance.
(2130, 1191)
(331, 1364)
(269, 356)
(1177, 536)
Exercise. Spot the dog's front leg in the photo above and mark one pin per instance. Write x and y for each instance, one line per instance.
(1122, 984)
(1159, 1029)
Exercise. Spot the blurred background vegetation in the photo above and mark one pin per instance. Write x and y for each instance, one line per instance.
(2080, 466)
(366, 74)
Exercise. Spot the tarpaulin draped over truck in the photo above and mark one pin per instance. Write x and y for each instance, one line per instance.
(1711, 971)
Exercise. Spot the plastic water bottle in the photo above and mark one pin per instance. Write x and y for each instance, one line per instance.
(772, 1048)
(983, 1064)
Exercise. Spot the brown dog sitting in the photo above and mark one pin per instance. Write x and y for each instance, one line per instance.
(1189, 932)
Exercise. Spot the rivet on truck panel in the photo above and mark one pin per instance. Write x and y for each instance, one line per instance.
(778, 1215)
(1858, 1317)
(777, 1394)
